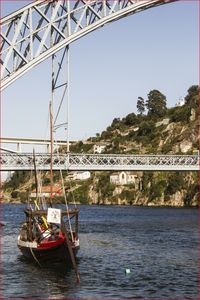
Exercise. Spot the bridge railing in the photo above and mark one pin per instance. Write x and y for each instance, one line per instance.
(100, 162)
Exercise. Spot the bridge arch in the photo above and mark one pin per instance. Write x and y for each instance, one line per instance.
(40, 29)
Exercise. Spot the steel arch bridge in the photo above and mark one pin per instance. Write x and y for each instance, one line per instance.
(40, 29)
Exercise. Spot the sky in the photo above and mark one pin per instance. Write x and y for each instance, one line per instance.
(109, 69)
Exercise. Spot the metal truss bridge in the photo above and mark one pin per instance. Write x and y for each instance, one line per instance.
(18, 142)
(100, 162)
(32, 34)
(42, 28)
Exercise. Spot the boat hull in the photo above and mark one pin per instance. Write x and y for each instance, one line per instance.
(53, 253)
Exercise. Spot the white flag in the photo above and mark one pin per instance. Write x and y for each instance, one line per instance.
(54, 215)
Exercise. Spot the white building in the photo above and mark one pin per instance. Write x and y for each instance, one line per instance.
(81, 175)
(98, 148)
(181, 102)
(122, 178)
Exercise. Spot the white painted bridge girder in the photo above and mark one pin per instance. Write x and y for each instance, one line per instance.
(99, 162)
(32, 34)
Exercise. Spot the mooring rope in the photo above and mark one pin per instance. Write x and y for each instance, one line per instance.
(35, 257)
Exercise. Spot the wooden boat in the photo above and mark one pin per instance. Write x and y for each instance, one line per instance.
(42, 241)
(50, 235)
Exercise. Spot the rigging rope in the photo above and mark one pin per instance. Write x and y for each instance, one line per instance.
(65, 197)
(37, 261)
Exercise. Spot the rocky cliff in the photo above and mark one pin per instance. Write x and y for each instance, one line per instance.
(164, 131)
(175, 132)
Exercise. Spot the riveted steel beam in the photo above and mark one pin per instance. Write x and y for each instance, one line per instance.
(40, 29)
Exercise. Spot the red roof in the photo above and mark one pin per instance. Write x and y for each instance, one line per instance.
(47, 189)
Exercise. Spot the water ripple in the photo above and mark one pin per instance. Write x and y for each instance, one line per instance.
(159, 246)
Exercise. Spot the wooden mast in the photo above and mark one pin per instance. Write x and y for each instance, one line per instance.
(35, 174)
(51, 152)
(51, 113)
(68, 71)
(76, 216)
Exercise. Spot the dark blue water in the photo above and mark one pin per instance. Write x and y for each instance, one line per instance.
(158, 245)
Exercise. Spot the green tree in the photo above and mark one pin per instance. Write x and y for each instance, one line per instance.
(115, 123)
(146, 128)
(140, 105)
(131, 119)
(180, 114)
(192, 98)
(157, 189)
(106, 135)
(18, 177)
(146, 181)
(104, 186)
(156, 104)
(175, 183)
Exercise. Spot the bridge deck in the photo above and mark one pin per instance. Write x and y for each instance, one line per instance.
(100, 162)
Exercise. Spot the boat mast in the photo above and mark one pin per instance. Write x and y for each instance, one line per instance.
(35, 174)
(68, 74)
(51, 151)
(68, 71)
(51, 116)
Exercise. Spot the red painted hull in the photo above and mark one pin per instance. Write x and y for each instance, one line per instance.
(48, 250)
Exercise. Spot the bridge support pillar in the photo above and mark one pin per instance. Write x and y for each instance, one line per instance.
(48, 148)
(19, 147)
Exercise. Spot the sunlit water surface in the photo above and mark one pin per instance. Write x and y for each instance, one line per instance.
(158, 245)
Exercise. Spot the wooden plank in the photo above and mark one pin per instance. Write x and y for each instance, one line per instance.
(44, 212)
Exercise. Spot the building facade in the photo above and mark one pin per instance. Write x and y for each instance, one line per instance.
(122, 178)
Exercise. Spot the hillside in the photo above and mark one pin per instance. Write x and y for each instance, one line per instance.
(156, 129)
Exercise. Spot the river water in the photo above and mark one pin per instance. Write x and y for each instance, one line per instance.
(158, 245)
